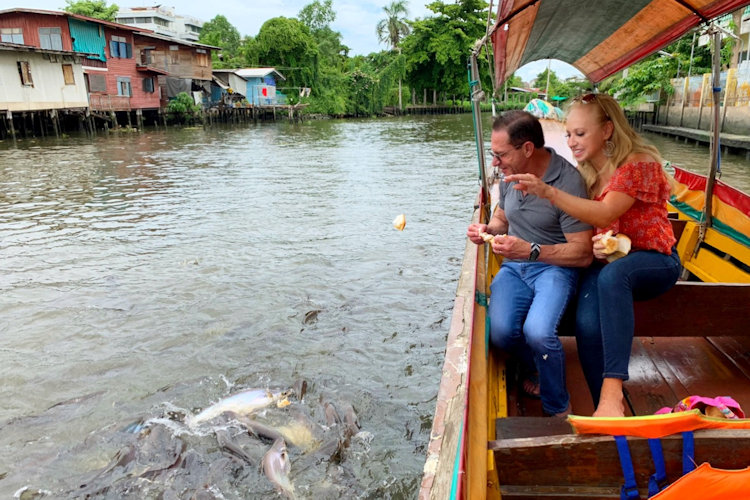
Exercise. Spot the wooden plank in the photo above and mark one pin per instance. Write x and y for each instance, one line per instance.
(647, 390)
(692, 366)
(580, 397)
(448, 420)
(572, 462)
(695, 309)
(476, 432)
(736, 349)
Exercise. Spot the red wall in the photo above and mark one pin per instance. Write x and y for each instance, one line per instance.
(30, 23)
(127, 67)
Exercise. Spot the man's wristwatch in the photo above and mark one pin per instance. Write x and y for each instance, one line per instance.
(535, 251)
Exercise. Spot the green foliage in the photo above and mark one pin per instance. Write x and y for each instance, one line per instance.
(394, 27)
(645, 77)
(182, 108)
(287, 45)
(221, 33)
(317, 16)
(438, 47)
(97, 9)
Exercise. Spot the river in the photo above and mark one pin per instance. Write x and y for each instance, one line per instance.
(144, 276)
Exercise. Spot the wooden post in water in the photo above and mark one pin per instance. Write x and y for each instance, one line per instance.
(11, 126)
(55, 122)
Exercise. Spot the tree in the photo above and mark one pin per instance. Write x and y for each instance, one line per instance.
(97, 9)
(392, 29)
(317, 16)
(437, 48)
(219, 32)
(286, 44)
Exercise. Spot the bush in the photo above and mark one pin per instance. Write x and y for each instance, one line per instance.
(182, 108)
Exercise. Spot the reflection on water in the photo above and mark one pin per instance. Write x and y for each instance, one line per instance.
(735, 168)
(148, 275)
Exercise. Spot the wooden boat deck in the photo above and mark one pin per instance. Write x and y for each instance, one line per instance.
(663, 370)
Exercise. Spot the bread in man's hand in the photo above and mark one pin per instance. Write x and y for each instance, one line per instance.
(487, 237)
(615, 246)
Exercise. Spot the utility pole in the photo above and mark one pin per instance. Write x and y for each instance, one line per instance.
(546, 92)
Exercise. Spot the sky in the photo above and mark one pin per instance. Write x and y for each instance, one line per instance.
(355, 20)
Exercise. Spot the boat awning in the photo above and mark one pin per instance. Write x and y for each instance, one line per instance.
(598, 37)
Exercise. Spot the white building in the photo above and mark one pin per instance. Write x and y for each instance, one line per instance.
(34, 79)
(161, 20)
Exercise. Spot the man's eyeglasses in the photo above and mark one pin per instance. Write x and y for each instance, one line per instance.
(587, 98)
(503, 155)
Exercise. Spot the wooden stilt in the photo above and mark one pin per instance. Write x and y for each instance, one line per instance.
(55, 123)
(11, 125)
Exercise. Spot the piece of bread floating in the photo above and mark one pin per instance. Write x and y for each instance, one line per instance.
(487, 237)
(400, 222)
(616, 246)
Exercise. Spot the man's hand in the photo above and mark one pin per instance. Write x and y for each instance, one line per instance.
(473, 233)
(511, 247)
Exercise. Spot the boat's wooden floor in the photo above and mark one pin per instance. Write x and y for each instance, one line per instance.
(662, 370)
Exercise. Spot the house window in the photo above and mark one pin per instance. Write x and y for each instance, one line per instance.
(24, 70)
(11, 35)
(123, 86)
(97, 83)
(120, 48)
(68, 74)
(174, 54)
(202, 59)
(50, 38)
(148, 85)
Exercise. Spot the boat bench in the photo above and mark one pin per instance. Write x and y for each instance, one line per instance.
(689, 309)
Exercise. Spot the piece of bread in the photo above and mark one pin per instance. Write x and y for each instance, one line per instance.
(399, 222)
(616, 246)
(487, 237)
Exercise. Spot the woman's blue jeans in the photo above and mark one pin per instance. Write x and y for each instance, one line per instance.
(605, 321)
(526, 304)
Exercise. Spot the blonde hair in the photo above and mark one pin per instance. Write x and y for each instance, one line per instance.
(626, 140)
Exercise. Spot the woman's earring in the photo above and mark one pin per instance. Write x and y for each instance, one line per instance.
(609, 148)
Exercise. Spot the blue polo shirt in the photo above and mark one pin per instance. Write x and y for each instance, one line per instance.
(537, 220)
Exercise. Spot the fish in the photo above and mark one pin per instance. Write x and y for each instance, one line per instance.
(276, 467)
(242, 403)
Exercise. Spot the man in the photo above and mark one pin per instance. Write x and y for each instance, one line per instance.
(541, 250)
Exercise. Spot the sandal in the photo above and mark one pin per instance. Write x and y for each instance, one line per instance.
(530, 387)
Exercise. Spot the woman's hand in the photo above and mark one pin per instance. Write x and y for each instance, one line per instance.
(531, 184)
(599, 247)
(473, 233)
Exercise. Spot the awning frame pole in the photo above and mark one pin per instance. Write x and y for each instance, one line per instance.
(477, 95)
(707, 219)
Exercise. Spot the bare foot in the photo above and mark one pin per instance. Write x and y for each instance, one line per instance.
(610, 409)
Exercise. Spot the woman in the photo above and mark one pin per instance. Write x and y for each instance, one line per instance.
(628, 191)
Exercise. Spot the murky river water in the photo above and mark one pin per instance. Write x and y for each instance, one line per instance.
(149, 274)
(146, 276)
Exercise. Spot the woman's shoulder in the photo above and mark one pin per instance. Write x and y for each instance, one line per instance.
(635, 158)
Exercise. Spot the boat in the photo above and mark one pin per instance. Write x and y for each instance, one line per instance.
(488, 440)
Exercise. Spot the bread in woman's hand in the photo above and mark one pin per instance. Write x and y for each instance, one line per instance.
(615, 246)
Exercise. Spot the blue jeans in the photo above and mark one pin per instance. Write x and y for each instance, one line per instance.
(526, 304)
(604, 315)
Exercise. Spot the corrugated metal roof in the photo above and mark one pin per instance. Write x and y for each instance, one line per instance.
(257, 72)
(151, 34)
